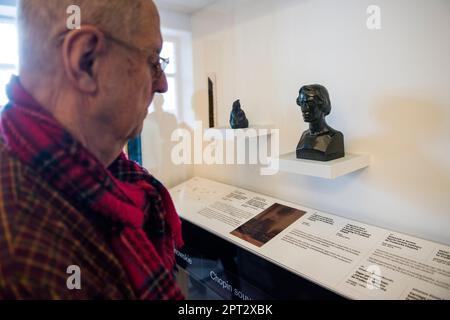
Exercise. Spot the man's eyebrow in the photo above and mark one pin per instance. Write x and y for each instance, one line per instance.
(152, 52)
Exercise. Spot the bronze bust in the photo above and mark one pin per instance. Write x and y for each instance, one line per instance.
(320, 142)
(238, 120)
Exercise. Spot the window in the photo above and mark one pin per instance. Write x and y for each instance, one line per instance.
(9, 56)
(9, 61)
(171, 96)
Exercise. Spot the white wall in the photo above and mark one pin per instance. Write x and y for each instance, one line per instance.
(390, 91)
(175, 20)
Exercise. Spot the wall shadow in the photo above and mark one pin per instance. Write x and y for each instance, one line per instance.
(157, 145)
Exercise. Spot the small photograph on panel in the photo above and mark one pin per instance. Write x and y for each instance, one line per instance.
(267, 225)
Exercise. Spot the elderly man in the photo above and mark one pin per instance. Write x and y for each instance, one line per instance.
(77, 219)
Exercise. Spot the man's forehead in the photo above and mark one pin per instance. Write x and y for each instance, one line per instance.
(152, 40)
(150, 30)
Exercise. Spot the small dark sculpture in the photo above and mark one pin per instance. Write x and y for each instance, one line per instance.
(320, 142)
(238, 120)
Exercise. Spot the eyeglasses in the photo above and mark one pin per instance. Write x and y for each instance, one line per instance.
(157, 68)
(164, 63)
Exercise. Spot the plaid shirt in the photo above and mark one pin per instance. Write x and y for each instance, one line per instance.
(41, 235)
(59, 207)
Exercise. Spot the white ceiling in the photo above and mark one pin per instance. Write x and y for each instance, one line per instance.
(184, 6)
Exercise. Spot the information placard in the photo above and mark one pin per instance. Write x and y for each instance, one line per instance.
(355, 260)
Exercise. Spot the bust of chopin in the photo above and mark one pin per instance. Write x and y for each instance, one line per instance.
(320, 142)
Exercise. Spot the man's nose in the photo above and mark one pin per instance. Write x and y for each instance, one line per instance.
(161, 85)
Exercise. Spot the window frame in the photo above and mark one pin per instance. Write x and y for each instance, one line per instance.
(8, 12)
(7, 20)
(8, 16)
(176, 76)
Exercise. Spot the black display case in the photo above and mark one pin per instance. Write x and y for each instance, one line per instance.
(211, 268)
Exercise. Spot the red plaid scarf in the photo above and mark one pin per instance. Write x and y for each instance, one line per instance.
(145, 226)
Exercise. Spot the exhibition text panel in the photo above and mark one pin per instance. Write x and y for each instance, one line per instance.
(353, 259)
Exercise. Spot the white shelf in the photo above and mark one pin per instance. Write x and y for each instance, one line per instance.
(328, 170)
(244, 132)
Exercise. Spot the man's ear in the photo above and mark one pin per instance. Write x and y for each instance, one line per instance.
(80, 50)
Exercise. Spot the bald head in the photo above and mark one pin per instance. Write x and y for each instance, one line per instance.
(41, 21)
(96, 81)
